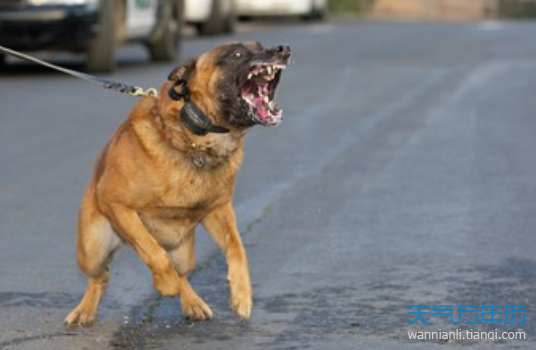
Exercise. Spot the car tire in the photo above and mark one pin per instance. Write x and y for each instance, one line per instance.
(230, 21)
(166, 47)
(319, 14)
(101, 50)
(215, 22)
(316, 13)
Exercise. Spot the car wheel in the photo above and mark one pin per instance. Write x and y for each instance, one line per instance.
(320, 13)
(215, 22)
(101, 51)
(166, 47)
(316, 13)
(230, 20)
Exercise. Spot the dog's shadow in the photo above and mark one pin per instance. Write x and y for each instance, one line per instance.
(160, 317)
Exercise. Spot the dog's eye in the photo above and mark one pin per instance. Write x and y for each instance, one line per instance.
(237, 54)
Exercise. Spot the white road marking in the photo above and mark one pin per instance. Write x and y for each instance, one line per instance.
(320, 28)
(491, 26)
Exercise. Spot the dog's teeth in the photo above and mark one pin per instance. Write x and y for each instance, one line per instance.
(250, 75)
(269, 69)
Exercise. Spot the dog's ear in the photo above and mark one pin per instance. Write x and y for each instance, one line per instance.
(184, 71)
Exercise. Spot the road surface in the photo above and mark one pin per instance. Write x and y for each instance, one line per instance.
(403, 174)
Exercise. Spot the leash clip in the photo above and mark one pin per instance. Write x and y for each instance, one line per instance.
(139, 92)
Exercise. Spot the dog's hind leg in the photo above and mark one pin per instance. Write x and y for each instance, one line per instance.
(97, 242)
(183, 257)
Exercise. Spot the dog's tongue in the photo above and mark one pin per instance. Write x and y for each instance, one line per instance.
(262, 112)
(262, 108)
(257, 93)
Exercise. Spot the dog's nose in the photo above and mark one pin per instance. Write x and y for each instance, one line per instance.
(283, 50)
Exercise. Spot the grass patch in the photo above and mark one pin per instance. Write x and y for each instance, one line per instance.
(354, 6)
(517, 8)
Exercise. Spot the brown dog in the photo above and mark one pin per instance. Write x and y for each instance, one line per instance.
(173, 165)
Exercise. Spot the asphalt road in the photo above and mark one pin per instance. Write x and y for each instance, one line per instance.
(403, 174)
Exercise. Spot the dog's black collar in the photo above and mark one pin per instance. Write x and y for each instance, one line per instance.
(191, 115)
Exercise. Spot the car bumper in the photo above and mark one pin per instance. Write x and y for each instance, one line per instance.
(197, 11)
(39, 28)
(272, 7)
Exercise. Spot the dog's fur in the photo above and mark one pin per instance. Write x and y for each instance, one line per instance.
(156, 180)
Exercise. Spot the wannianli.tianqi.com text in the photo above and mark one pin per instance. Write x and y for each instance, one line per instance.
(459, 334)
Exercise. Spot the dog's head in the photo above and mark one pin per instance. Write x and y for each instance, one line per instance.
(233, 84)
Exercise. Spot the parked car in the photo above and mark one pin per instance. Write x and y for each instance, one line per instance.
(306, 9)
(95, 27)
(210, 16)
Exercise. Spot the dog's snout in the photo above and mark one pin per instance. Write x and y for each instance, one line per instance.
(283, 50)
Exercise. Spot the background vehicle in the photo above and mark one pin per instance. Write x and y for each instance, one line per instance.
(210, 16)
(95, 27)
(306, 9)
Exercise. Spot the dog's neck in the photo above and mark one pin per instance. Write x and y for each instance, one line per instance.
(204, 152)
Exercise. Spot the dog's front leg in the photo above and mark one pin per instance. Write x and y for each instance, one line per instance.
(165, 278)
(221, 225)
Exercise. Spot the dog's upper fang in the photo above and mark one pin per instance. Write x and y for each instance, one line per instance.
(265, 70)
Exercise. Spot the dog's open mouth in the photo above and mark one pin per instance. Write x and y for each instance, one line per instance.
(259, 92)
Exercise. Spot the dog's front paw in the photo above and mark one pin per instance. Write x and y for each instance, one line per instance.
(241, 299)
(80, 317)
(242, 307)
(193, 307)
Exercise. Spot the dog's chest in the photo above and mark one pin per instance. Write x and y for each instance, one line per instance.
(180, 205)
(169, 225)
